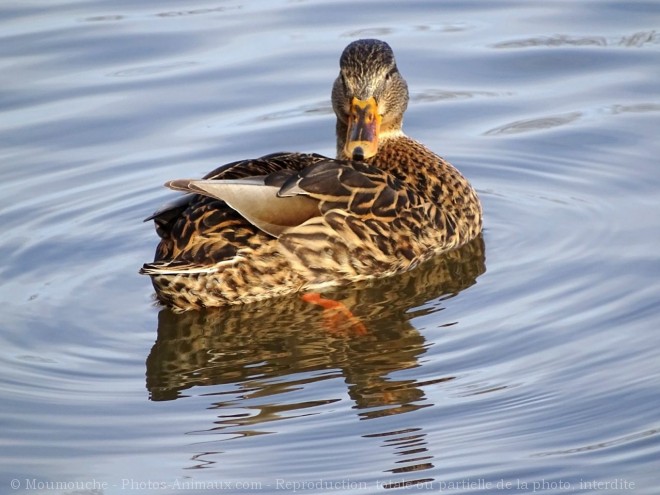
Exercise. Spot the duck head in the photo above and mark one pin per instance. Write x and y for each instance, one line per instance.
(369, 98)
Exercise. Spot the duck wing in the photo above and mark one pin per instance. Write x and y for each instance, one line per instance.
(335, 216)
(284, 199)
(255, 200)
(368, 224)
(267, 164)
(198, 228)
(354, 187)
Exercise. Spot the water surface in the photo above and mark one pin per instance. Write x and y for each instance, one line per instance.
(526, 361)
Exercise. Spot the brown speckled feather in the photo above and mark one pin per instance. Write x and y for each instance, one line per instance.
(201, 229)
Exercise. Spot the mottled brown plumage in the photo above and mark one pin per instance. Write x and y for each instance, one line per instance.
(385, 204)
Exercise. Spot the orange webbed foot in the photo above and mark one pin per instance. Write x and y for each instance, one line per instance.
(338, 318)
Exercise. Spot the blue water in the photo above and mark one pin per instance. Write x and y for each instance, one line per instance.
(528, 361)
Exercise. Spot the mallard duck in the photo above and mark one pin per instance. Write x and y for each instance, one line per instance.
(289, 222)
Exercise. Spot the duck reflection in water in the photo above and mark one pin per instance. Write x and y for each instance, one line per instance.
(265, 349)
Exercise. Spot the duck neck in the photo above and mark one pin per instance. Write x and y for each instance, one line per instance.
(341, 130)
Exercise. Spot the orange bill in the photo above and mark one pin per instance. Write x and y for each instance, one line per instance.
(363, 128)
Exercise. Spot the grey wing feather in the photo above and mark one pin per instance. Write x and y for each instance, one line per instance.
(256, 201)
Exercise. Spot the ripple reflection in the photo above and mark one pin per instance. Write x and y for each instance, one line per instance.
(538, 124)
(636, 40)
(262, 358)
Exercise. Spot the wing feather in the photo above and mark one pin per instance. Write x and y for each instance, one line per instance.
(351, 186)
(313, 204)
(255, 201)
